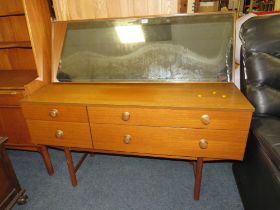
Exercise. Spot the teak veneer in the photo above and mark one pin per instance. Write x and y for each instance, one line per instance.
(193, 121)
(215, 96)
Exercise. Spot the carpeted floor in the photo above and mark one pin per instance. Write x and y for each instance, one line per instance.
(123, 183)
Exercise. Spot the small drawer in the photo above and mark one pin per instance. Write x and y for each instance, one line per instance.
(67, 134)
(63, 113)
(10, 97)
(170, 141)
(170, 117)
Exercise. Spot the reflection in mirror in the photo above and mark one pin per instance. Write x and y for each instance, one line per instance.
(159, 49)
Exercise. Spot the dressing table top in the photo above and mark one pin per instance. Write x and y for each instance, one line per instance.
(191, 95)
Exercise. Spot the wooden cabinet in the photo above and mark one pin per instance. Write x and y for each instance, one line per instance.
(24, 66)
(10, 190)
(109, 118)
(14, 126)
(20, 64)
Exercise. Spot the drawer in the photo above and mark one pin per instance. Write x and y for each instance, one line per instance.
(66, 134)
(170, 141)
(10, 97)
(63, 113)
(171, 118)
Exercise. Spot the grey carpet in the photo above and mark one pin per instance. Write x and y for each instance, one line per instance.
(123, 183)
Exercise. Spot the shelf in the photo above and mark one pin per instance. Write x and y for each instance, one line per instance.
(17, 13)
(16, 79)
(5, 45)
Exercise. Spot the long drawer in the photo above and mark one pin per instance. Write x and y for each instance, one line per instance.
(67, 134)
(62, 113)
(170, 141)
(229, 120)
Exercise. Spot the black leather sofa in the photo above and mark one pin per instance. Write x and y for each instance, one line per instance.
(258, 176)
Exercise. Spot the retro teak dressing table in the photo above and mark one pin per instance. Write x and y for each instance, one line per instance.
(207, 119)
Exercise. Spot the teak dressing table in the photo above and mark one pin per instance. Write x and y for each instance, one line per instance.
(185, 121)
(198, 121)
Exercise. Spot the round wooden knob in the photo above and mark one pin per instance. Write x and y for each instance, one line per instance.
(59, 134)
(127, 139)
(53, 113)
(203, 144)
(125, 116)
(205, 119)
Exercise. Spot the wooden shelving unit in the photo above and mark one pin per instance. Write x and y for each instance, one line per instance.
(24, 56)
(17, 69)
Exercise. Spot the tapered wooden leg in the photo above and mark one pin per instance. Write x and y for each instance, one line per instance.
(71, 167)
(46, 157)
(198, 177)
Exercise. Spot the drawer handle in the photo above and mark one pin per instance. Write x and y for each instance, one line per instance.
(205, 119)
(59, 134)
(53, 113)
(125, 116)
(127, 139)
(203, 144)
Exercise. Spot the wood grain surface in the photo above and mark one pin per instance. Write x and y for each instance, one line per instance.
(10, 97)
(180, 96)
(39, 27)
(16, 79)
(58, 35)
(75, 134)
(14, 126)
(65, 113)
(170, 141)
(93, 9)
(15, 44)
(13, 28)
(17, 59)
(11, 7)
(229, 120)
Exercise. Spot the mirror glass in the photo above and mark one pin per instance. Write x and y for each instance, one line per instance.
(183, 48)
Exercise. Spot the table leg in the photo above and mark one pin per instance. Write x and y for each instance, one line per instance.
(71, 167)
(46, 157)
(198, 177)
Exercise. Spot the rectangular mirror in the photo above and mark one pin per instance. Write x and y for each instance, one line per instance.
(182, 48)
